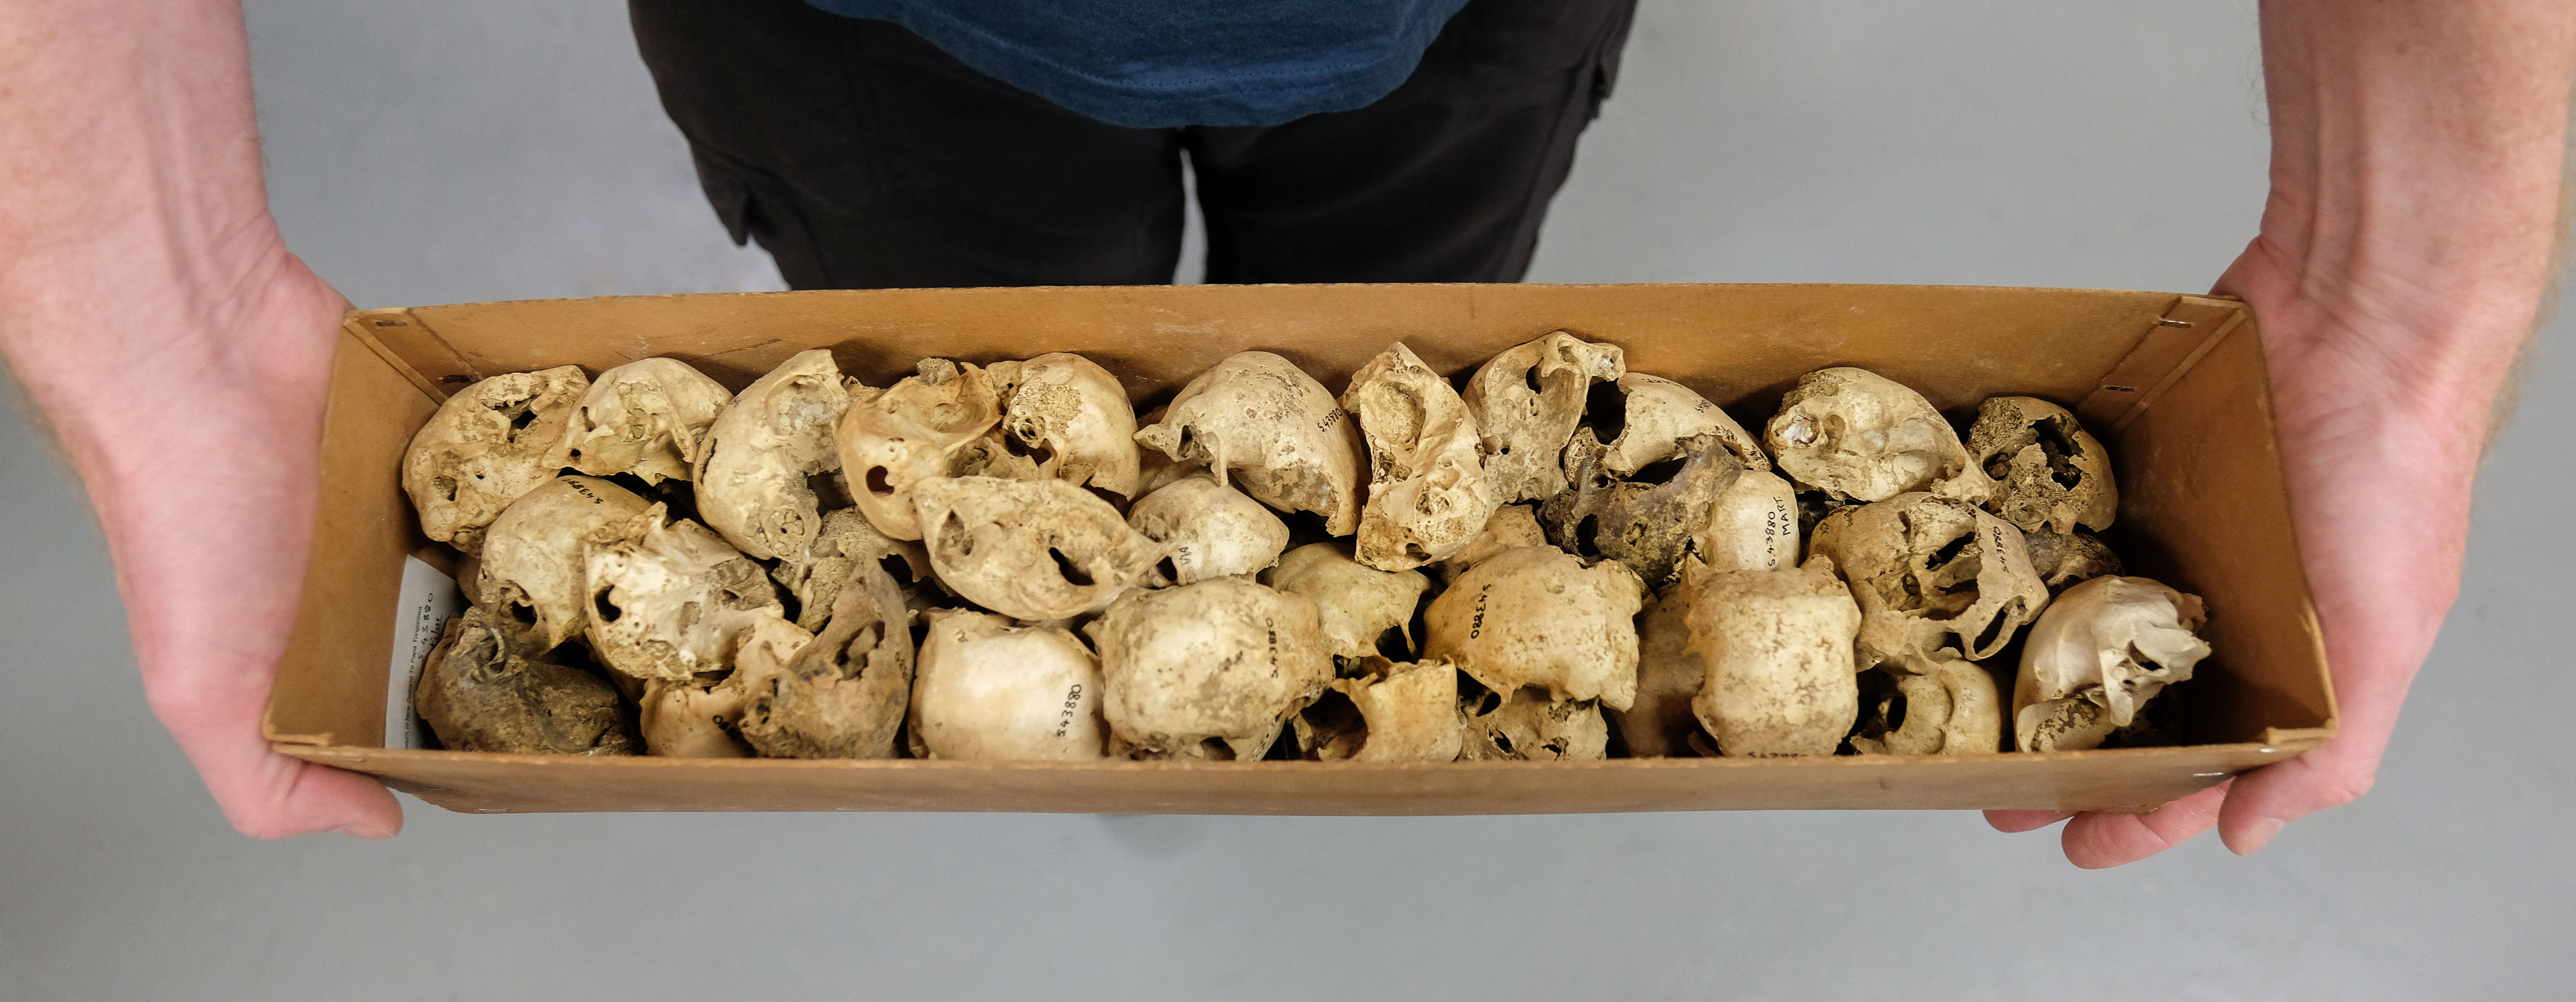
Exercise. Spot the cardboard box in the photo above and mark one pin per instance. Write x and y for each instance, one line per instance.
(2174, 384)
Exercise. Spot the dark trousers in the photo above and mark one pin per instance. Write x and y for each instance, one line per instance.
(861, 156)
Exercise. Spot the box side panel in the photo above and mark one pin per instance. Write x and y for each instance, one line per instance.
(2128, 780)
(1737, 344)
(2203, 507)
(331, 684)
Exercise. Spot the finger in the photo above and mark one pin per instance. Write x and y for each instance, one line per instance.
(2012, 822)
(2098, 840)
(269, 795)
(2271, 797)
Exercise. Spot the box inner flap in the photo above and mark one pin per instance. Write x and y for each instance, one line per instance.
(331, 683)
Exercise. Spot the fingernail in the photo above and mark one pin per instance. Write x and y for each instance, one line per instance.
(367, 831)
(2255, 836)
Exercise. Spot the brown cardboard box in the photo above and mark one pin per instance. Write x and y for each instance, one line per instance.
(2173, 384)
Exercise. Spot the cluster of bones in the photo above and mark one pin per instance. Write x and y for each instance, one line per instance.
(1556, 559)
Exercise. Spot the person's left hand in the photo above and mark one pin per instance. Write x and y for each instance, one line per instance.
(2382, 553)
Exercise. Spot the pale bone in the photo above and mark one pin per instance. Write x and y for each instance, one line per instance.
(1031, 550)
(1155, 471)
(1778, 648)
(1658, 724)
(1753, 526)
(1527, 727)
(533, 558)
(1258, 421)
(2099, 653)
(751, 484)
(1075, 412)
(1512, 527)
(1359, 604)
(1207, 530)
(1410, 711)
(692, 718)
(1427, 494)
(990, 455)
(914, 431)
(488, 444)
(2032, 449)
(990, 690)
(670, 600)
(1656, 415)
(2064, 560)
(478, 695)
(815, 575)
(1937, 580)
(1535, 616)
(1209, 670)
(1646, 525)
(1953, 710)
(1331, 729)
(1527, 401)
(648, 417)
(843, 694)
(1857, 435)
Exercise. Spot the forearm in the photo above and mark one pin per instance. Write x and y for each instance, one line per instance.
(2416, 166)
(152, 312)
(135, 240)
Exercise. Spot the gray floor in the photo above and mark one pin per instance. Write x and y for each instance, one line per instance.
(434, 152)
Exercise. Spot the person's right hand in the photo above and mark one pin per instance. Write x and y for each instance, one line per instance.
(182, 357)
(210, 519)
(202, 459)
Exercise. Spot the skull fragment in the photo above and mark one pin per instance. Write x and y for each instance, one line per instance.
(1209, 670)
(487, 445)
(1645, 419)
(751, 476)
(1937, 580)
(1526, 402)
(1669, 675)
(1360, 606)
(1533, 727)
(1070, 411)
(816, 575)
(1427, 494)
(693, 718)
(1207, 530)
(1857, 435)
(2048, 470)
(1951, 710)
(915, 430)
(990, 690)
(1409, 713)
(1536, 616)
(533, 574)
(2099, 653)
(1778, 648)
(1259, 422)
(1648, 524)
(1752, 526)
(649, 417)
(843, 693)
(669, 600)
(1512, 527)
(478, 695)
(1032, 550)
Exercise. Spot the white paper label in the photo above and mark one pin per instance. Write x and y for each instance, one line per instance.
(429, 599)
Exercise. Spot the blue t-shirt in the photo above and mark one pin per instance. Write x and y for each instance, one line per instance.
(1166, 63)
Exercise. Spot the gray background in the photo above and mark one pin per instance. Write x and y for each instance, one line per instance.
(428, 152)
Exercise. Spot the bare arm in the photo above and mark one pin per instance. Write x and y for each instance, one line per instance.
(2403, 260)
(181, 355)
